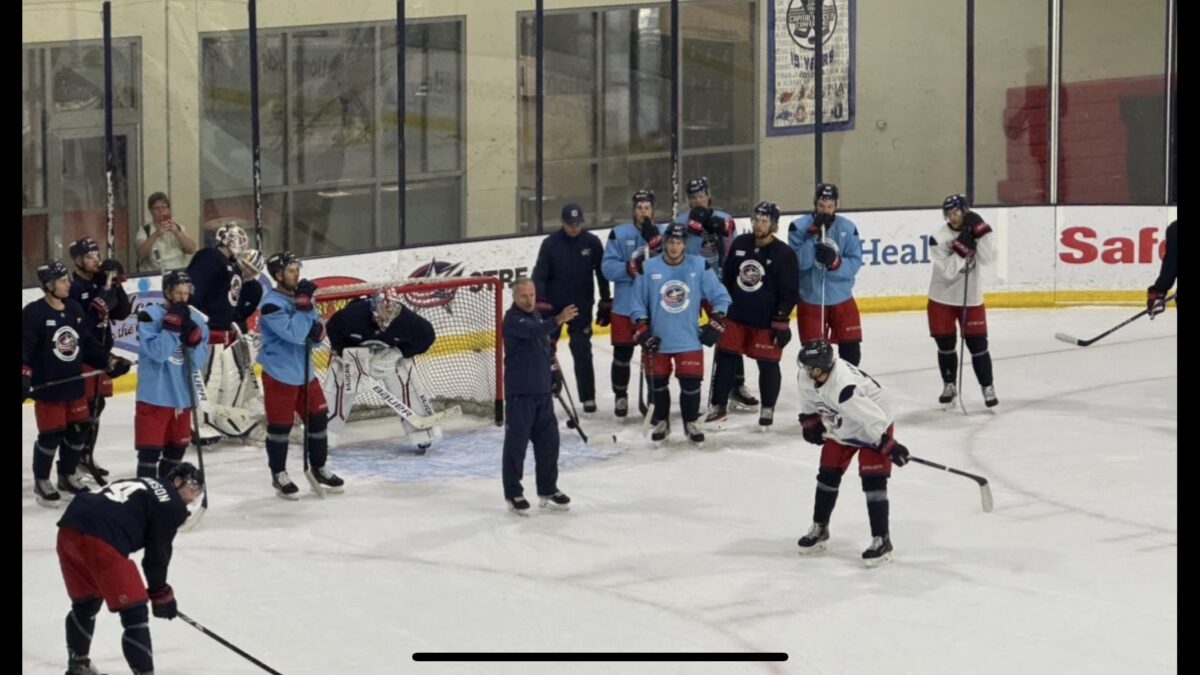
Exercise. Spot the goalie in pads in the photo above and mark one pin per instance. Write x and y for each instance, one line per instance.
(377, 338)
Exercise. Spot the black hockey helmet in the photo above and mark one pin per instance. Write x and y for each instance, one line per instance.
(769, 209)
(83, 246)
(676, 231)
(188, 472)
(50, 271)
(697, 185)
(955, 202)
(173, 278)
(278, 262)
(816, 354)
(826, 191)
(643, 196)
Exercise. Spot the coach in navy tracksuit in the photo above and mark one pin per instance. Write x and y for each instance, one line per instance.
(527, 400)
(565, 266)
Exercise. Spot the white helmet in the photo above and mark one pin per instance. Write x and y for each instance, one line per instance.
(232, 237)
(252, 259)
(385, 306)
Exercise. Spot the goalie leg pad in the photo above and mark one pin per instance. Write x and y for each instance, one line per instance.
(399, 378)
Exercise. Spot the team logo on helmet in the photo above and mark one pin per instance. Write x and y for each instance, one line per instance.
(674, 296)
(802, 23)
(750, 276)
(66, 344)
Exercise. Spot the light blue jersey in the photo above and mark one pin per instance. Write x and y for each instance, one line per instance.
(161, 378)
(670, 296)
(708, 246)
(839, 283)
(284, 331)
(623, 241)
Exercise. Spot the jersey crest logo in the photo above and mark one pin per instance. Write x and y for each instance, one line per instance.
(66, 344)
(235, 289)
(750, 276)
(674, 296)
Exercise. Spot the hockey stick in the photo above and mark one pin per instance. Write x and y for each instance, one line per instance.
(409, 415)
(312, 480)
(985, 492)
(194, 518)
(196, 624)
(1083, 343)
(573, 423)
(65, 380)
(962, 342)
(642, 407)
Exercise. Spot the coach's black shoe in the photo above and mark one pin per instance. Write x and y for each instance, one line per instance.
(555, 502)
(519, 506)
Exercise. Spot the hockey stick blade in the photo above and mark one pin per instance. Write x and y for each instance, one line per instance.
(985, 491)
(312, 481)
(193, 519)
(410, 416)
(1083, 343)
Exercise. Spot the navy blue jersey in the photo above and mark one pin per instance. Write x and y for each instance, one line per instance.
(248, 300)
(353, 325)
(85, 292)
(763, 282)
(216, 287)
(565, 269)
(1168, 274)
(131, 515)
(527, 352)
(55, 345)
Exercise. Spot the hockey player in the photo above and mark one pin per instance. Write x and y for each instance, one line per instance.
(96, 535)
(629, 245)
(1168, 273)
(666, 310)
(55, 346)
(958, 249)
(379, 337)
(162, 422)
(529, 409)
(828, 253)
(710, 233)
(96, 286)
(226, 292)
(760, 275)
(845, 412)
(290, 326)
(566, 264)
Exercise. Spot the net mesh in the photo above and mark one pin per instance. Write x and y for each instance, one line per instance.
(462, 367)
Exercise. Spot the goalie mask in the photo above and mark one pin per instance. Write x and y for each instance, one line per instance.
(232, 237)
(252, 260)
(385, 307)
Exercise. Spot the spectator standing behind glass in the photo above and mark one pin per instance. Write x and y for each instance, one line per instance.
(162, 244)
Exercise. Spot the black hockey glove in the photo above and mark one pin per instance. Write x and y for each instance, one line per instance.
(162, 602)
(642, 335)
(698, 219)
(26, 382)
(651, 234)
(305, 290)
(827, 256)
(888, 447)
(715, 225)
(711, 333)
(119, 366)
(973, 223)
(317, 332)
(604, 312)
(1156, 302)
(175, 317)
(964, 244)
(814, 428)
(556, 377)
(113, 268)
(781, 330)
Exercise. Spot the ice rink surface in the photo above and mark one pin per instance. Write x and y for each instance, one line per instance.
(684, 549)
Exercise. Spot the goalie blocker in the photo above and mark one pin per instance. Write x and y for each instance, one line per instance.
(376, 340)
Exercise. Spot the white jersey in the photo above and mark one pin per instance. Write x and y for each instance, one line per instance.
(946, 286)
(851, 405)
